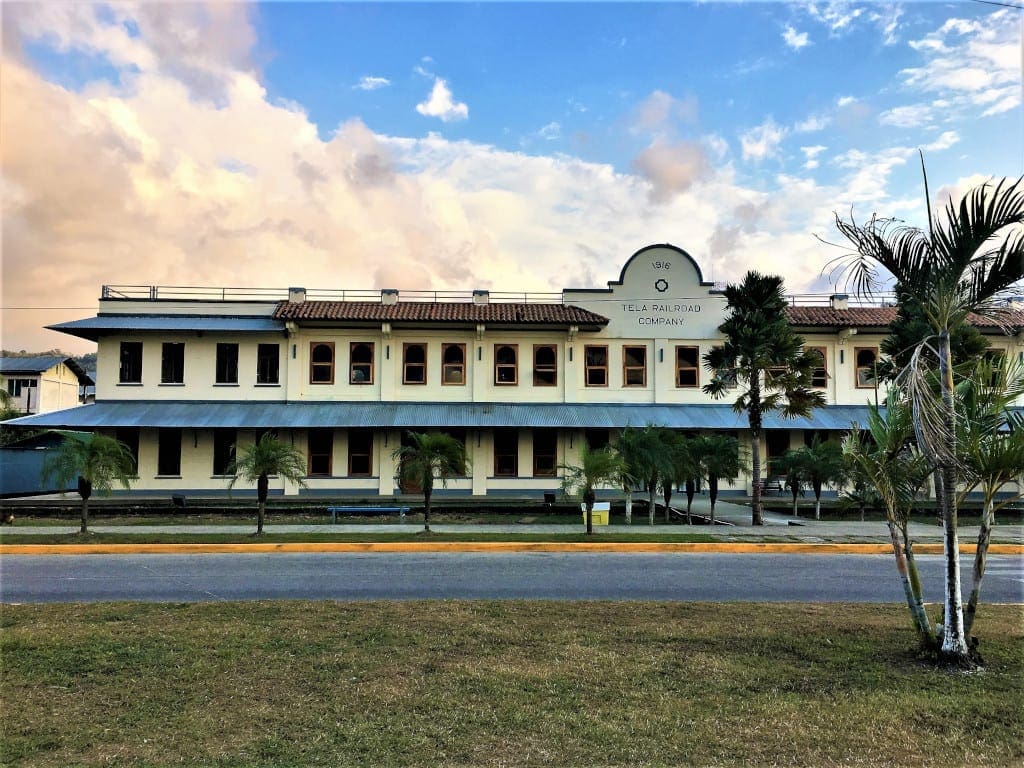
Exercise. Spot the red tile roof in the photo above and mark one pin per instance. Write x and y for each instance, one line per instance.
(441, 312)
(866, 317)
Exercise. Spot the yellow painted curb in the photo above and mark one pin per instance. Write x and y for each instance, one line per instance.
(489, 546)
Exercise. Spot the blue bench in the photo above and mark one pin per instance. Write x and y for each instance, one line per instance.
(364, 511)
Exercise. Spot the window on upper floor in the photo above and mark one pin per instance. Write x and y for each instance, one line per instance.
(130, 362)
(224, 441)
(866, 360)
(414, 363)
(545, 452)
(360, 368)
(687, 367)
(321, 362)
(168, 456)
(453, 364)
(634, 366)
(506, 452)
(268, 363)
(595, 366)
(360, 452)
(506, 366)
(819, 376)
(545, 365)
(320, 452)
(172, 362)
(227, 364)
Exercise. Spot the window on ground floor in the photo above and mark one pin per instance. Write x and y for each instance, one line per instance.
(360, 452)
(506, 453)
(320, 450)
(168, 460)
(129, 437)
(224, 441)
(545, 452)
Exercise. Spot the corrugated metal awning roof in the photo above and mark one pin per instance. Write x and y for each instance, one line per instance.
(406, 415)
(41, 363)
(93, 327)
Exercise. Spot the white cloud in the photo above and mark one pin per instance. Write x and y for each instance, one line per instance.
(845, 101)
(945, 140)
(910, 116)
(441, 105)
(837, 16)
(660, 110)
(550, 132)
(887, 19)
(763, 141)
(370, 83)
(811, 155)
(795, 40)
(812, 124)
(671, 168)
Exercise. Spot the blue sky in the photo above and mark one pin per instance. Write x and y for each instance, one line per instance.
(525, 145)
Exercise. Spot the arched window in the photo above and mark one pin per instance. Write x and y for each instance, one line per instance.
(414, 364)
(321, 362)
(453, 363)
(506, 368)
(545, 365)
(361, 362)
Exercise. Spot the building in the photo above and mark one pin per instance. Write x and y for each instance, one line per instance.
(42, 383)
(188, 374)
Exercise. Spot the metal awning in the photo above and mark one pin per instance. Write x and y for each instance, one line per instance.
(93, 327)
(400, 415)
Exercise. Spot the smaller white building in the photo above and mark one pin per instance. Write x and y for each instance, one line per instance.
(43, 383)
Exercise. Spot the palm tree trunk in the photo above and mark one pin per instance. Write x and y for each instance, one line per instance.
(85, 491)
(817, 503)
(980, 558)
(691, 489)
(588, 502)
(262, 489)
(796, 508)
(754, 418)
(650, 503)
(629, 506)
(954, 642)
(668, 499)
(917, 614)
(713, 494)
(427, 492)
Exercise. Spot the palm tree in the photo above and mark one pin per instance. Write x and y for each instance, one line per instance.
(685, 471)
(886, 457)
(992, 444)
(597, 467)
(765, 359)
(258, 462)
(790, 467)
(823, 464)
(430, 455)
(95, 460)
(648, 459)
(632, 449)
(968, 261)
(719, 457)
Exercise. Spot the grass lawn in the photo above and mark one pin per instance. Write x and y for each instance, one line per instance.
(499, 684)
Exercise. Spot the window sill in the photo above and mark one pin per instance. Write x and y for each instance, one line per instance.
(167, 477)
(221, 477)
(129, 383)
(225, 383)
(268, 384)
(171, 384)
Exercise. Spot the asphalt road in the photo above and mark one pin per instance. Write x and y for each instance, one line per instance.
(555, 576)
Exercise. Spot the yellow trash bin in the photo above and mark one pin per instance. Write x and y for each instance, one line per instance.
(599, 515)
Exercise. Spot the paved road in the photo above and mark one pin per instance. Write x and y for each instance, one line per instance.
(557, 576)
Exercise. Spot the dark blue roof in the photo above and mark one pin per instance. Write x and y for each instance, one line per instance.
(93, 327)
(40, 363)
(301, 415)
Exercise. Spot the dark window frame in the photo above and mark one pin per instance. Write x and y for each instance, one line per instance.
(172, 362)
(681, 369)
(327, 434)
(226, 366)
(511, 435)
(267, 364)
(224, 453)
(820, 373)
(365, 450)
(415, 366)
(589, 367)
(549, 457)
(857, 368)
(130, 358)
(168, 460)
(627, 369)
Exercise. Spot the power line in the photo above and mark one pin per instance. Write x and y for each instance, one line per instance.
(995, 2)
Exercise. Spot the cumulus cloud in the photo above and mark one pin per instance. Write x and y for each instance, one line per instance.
(812, 124)
(671, 168)
(440, 104)
(971, 64)
(795, 40)
(811, 155)
(660, 110)
(763, 141)
(910, 116)
(838, 17)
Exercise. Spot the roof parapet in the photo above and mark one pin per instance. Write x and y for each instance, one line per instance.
(481, 297)
(388, 296)
(297, 295)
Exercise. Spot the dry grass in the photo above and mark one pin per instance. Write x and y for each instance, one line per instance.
(499, 684)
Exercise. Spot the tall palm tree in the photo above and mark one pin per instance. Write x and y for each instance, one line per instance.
(719, 460)
(765, 360)
(97, 461)
(596, 467)
(968, 260)
(885, 456)
(430, 455)
(258, 462)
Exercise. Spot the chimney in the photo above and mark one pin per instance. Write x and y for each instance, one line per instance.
(839, 301)
(481, 297)
(389, 296)
(296, 295)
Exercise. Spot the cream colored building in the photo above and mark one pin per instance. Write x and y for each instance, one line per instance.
(523, 380)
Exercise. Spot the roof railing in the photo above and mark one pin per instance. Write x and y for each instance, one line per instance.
(226, 294)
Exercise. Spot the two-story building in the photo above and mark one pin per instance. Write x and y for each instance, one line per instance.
(189, 375)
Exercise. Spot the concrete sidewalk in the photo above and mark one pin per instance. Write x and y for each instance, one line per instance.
(776, 528)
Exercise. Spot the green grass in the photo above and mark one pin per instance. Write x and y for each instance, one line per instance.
(498, 684)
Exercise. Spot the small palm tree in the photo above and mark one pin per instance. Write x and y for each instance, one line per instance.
(430, 455)
(823, 464)
(632, 449)
(720, 460)
(600, 467)
(790, 466)
(95, 460)
(685, 471)
(258, 462)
